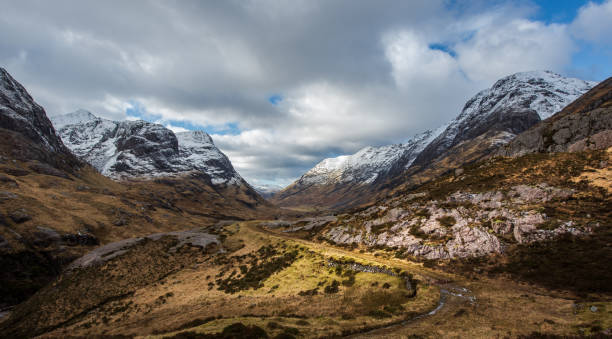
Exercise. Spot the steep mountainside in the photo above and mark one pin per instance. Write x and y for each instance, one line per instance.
(488, 120)
(139, 149)
(331, 182)
(27, 133)
(585, 124)
(512, 104)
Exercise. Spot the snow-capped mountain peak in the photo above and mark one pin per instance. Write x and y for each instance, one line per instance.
(368, 164)
(140, 149)
(513, 104)
(77, 117)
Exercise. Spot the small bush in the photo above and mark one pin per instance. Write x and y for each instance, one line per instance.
(447, 221)
(333, 288)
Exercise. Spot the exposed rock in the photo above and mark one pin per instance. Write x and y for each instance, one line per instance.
(585, 124)
(6, 195)
(82, 239)
(104, 253)
(5, 180)
(462, 225)
(27, 133)
(16, 172)
(46, 169)
(20, 215)
(43, 237)
(4, 244)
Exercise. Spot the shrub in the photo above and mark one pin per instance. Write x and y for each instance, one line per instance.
(333, 288)
(447, 221)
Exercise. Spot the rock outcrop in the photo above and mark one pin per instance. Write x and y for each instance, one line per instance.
(585, 124)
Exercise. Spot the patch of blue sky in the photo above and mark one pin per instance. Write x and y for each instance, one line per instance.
(138, 111)
(558, 11)
(275, 99)
(444, 48)
(591, 62)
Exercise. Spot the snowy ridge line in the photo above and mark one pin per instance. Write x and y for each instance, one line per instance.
(140, 149)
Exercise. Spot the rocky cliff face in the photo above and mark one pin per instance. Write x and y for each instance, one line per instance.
(585, 124)
(28, 134)
(139, 149)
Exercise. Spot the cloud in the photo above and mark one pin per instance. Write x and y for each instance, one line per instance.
(278, 84)
(502, 48)
(594, 23)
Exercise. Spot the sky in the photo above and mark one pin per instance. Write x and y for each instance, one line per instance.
(281, 85)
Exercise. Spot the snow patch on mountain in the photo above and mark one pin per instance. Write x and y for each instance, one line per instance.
(140, 149)
(77, 117)
(511, 105)
(368, 164)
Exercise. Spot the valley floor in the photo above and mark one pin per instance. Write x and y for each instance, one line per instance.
(284, 285)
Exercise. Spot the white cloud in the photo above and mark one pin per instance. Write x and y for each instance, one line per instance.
(175, 129)
(503, 48)
(351, 73)
(594, 22)
(413, 62)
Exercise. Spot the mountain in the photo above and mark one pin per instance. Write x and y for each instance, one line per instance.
(328, 183)
(585, 124)
(55, 207)
(541, 212)
(140, 149)
(513, 104)
(27, 133)
(487, 121)
(268, 190)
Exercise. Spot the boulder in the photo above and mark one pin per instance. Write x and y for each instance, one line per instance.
(20, 215)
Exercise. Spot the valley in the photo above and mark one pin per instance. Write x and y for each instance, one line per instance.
(128, 229)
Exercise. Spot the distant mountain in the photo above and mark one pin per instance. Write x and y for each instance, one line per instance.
(267, 191)
(331, 179)
(488, 120)
(140, 149)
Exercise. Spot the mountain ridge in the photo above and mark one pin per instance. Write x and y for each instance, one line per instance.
(512, 105)
(142, 150)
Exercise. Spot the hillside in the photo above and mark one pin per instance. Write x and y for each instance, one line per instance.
(55, 207)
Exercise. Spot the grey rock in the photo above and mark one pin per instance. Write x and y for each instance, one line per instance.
(6, 195)
(5, 180)
(44, 237)
(4, 244)
(20, 215)
(107, 252)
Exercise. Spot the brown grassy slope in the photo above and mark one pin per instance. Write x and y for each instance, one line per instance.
(50, 216)
(259, 277)
(324, 197)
